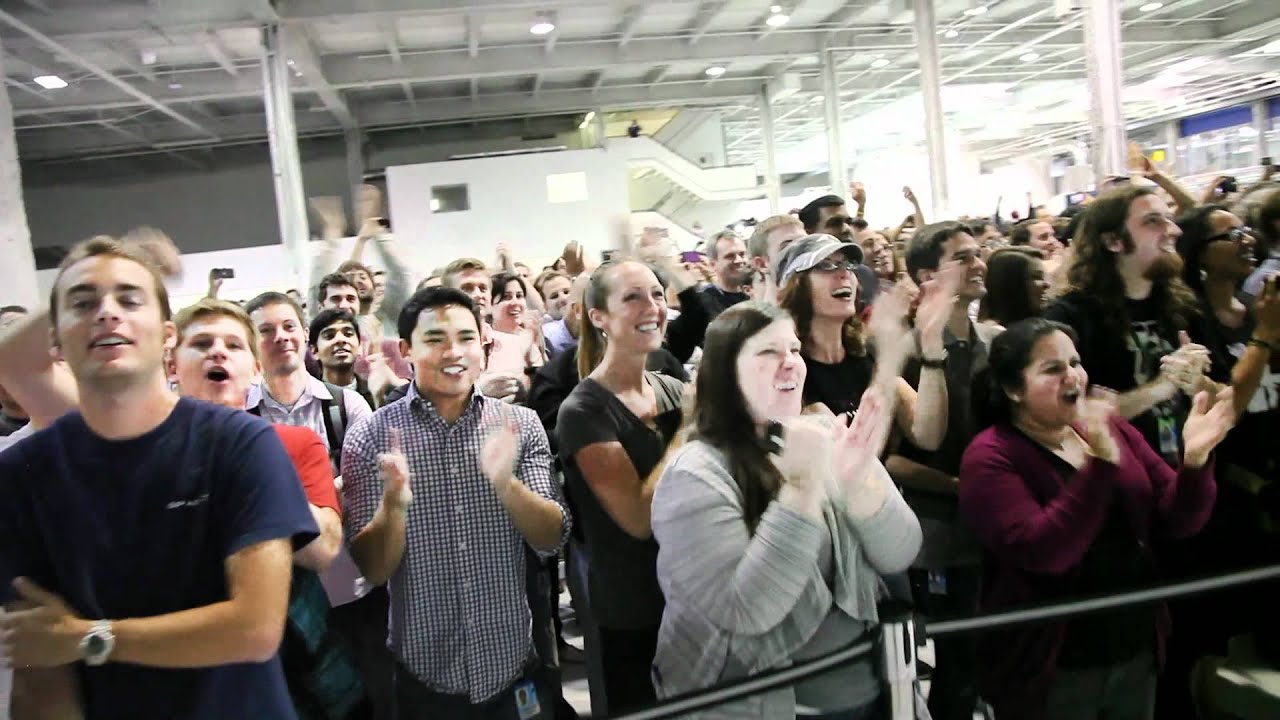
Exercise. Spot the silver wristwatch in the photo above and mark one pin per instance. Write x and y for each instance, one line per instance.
(97, 644)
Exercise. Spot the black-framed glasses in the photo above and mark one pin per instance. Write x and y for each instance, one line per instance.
(1235, 235)
(830, 266)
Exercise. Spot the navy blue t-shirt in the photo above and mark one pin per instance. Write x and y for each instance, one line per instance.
(142, 527)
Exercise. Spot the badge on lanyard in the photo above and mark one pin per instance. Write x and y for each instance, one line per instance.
(527, 701)
(1167, 427)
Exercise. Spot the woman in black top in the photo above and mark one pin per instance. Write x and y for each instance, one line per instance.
(819, 290)
(1017, 287)
(614, 429)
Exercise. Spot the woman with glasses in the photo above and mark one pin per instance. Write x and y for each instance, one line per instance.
(819, 288)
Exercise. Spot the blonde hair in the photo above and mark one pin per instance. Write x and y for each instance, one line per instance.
(211, 307)
(758, 245)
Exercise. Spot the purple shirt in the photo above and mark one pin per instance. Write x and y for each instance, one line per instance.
(1035, 528)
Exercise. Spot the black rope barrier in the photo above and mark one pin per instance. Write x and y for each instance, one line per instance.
(772, 679)
(1082, 607)
(751, 686)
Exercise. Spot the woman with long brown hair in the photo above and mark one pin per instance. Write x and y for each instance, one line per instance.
(820, 291)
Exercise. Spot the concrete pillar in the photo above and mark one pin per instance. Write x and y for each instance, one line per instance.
(286, 163)
(1109, 151)
(355, 176)
(17, 262)
(931, 91)
(1260, 123)
(1172, 134)
(831, 106)
(772, 183)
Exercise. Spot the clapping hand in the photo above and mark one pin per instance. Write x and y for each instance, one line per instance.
(1186, 366)
(1096, 409)
(939, 296)
(1206, 427)
(498, 455)
(393, 470)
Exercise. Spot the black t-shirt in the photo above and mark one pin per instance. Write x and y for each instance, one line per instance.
(718, 300)
(1251, 444)
(1125, 362)
(839, 386)
(142, 527)
(622, 576)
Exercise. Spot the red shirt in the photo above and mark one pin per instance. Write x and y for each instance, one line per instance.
(311, 460)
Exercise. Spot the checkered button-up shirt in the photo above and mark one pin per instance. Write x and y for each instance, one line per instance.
(460, 619)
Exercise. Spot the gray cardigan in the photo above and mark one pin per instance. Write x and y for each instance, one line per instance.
(738, 603)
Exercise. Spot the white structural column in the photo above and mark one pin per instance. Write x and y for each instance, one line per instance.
(1260, 123)
(772, 184)
(1108, 153)
(831, 104)
(602, 130)
(17, 262)
(286, 164)
(931, 91)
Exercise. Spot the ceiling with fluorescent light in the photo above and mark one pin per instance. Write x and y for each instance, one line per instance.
(175, 76)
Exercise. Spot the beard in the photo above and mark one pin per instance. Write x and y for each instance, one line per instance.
(1165, 267)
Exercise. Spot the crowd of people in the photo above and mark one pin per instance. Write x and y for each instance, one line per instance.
(738, 460)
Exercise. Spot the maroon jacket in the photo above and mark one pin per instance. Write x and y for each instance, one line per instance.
(1035, 529)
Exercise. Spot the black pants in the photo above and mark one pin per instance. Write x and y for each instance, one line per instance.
(363, 624)
(627, 656)
(953, 691)
(415, 701)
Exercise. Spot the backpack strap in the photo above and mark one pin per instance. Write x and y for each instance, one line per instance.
(334, 413)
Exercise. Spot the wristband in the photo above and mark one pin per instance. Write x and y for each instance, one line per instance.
(934, 363)
(1259, 342)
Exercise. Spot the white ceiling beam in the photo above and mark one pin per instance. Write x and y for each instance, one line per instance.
(551, 41)
(597, 81)
(213, 45)
(656, 75)
(27, 89)
(627, 28)
(407, 89)
(766, 29)
(537, 83)
(475, 89)
(307, 63)
(391, 36)
(706, 14)
(38, 5)
(473, 35)
(75, 58)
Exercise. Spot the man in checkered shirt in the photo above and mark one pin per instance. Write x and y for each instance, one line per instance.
(443, 490)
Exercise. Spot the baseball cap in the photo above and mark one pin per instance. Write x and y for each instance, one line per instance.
(808, 251)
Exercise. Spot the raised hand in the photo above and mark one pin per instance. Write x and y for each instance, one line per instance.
(368, 203)
(393, 471)
(498, 454)
(573, 262)
(909, 195)
(858, 193)
(888, 328)
(939, 296)
(1266, 312)
(333, 219)
(1206, 427)
(861, 442)
(500, 386)
(158, 248)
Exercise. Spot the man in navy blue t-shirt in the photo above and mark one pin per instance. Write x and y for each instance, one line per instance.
(145, 541)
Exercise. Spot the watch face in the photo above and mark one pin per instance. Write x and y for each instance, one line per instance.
(96, 645)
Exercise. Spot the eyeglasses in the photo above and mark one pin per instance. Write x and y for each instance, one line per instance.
(830, 266)
(1235, 235)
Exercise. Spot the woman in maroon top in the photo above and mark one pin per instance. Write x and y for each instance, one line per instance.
(1065, 497)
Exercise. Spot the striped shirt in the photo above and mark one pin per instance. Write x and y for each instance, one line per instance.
(460, 619)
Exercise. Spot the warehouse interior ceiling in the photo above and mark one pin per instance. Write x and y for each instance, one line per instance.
(177, 76)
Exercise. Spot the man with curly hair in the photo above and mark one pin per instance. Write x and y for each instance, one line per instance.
(1127, 302)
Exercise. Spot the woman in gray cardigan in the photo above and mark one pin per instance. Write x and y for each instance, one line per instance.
(772, 550)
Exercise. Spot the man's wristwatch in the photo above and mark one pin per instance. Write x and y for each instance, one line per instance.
(97, 644)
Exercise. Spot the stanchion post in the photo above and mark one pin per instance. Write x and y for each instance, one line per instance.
(898, 661)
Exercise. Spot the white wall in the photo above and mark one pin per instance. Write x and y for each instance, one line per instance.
(508, 201)
(697, 135)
